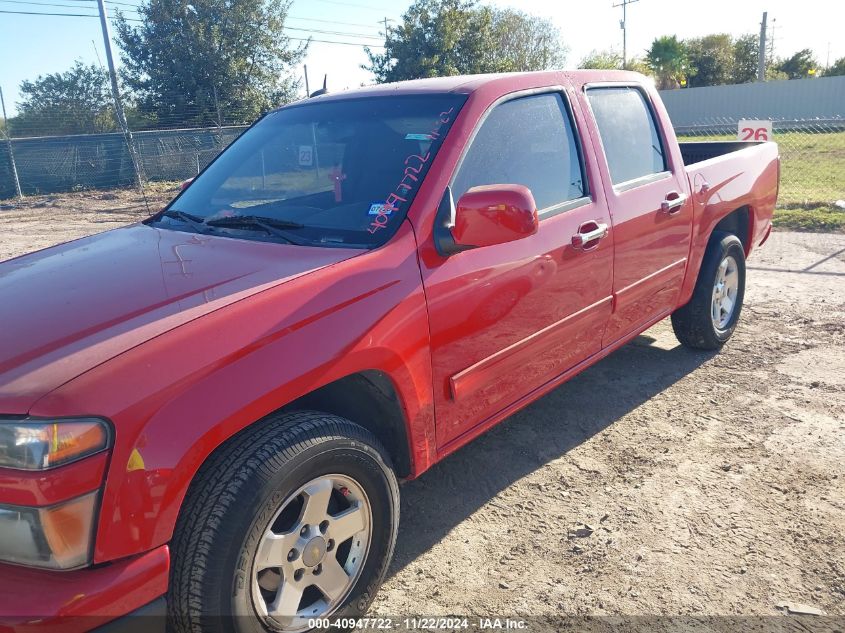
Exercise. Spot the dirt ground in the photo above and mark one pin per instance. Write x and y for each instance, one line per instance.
(660, 481)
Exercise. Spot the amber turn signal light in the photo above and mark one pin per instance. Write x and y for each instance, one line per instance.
(41, 444)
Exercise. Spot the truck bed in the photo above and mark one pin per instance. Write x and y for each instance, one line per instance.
(725, 176)
(698, 151)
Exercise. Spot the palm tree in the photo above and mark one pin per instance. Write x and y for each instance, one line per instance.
(669, 61)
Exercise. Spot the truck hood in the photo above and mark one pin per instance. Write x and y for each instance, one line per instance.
(69, 308)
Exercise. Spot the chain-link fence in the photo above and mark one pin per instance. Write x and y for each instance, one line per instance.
(69, 147)
(812, 151)
(54, 164)
(812, 155)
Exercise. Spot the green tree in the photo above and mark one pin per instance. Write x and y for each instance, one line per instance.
(838, 68)
(435, 38)
(609, 59)
(800, 66)
(200, 62)
(523, 42)
(639, 65)
(77, 101)
(668, 59)
(773, 73)
(606, 59)
(746, 59)
(455, 37)
(711, 60)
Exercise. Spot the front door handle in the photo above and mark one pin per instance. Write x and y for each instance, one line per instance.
(673, 202)
(582, 238)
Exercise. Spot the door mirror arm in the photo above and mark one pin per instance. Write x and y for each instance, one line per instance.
(444, 222)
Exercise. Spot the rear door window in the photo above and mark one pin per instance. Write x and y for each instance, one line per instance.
(628, 132)
(528, 141)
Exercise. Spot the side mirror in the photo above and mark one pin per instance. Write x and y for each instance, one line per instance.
(494, 214)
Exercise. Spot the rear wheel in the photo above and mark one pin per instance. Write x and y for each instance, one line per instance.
(710, 317)
(292, 520)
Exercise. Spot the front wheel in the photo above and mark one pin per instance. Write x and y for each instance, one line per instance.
(292, 520)
(710, 317)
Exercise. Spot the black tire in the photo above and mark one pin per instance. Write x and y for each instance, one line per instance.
(237, 493)
(692, 323)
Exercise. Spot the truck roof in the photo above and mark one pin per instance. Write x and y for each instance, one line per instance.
(467, 84)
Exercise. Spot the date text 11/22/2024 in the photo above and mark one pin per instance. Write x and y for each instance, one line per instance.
(419, 623)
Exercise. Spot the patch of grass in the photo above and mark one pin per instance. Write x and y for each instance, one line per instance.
(825, 218)
(812, 168)
(162, 186)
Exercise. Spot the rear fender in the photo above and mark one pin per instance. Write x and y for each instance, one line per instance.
(747, 179)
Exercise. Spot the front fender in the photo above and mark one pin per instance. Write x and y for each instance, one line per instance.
(176, 398)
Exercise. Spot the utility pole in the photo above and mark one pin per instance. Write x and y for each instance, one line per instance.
(386, 20)
(115, 91)
(307, 89)
(761, 53)
(623, 24)
(9, 143)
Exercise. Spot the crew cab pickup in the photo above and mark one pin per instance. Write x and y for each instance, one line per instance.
(206, 414)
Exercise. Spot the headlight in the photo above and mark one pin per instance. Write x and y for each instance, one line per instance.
(41, 444)
(58, 537)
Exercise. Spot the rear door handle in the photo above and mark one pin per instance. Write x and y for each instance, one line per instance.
(673, 202)
(582, 237)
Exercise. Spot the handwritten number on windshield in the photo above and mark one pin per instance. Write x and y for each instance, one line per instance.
(413, 166)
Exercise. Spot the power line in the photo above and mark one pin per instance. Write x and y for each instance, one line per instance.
(132, 7)
(128, 4)
(97, 53)
(294, 17)
(345, 4)
(42, 4)
(311, 39)
(135, 7)
(350, 4)
(64, 15)
(81, 15)
(347, 33)
(53, 4)
(87, 15)
(290, 17)
(138, 6)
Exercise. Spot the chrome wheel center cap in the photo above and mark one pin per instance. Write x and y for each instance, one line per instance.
(314, 552)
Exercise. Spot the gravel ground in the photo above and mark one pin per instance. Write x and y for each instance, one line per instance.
(660, 481)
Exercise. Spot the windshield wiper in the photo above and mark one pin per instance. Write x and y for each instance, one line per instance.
(273, 226)
(195, 221)
(255, 220)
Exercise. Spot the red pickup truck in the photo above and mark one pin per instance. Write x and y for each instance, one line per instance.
(206, 414)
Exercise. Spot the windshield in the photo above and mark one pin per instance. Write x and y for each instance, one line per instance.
(340, 173)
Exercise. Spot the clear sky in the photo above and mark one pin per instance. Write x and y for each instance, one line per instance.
(32, 45)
